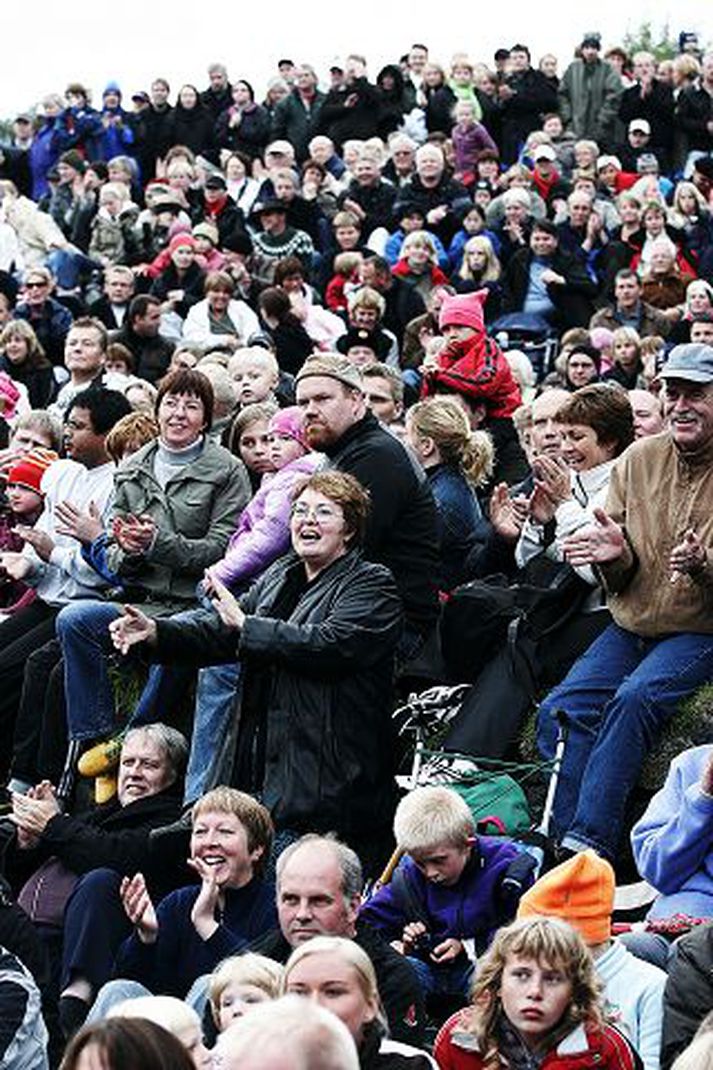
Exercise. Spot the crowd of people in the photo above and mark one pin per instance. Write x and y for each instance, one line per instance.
(305, 403)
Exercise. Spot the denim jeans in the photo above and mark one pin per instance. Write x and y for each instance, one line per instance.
(83, 631)
(215, 703)
(617, 697)
(453, 979)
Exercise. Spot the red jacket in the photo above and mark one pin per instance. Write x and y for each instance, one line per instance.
(477, 369)
(584, 1048)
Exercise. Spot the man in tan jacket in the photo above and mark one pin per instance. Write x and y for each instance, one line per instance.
(654, 549)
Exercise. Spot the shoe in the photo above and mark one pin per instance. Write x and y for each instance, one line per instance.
(101, 758)
(104, 788)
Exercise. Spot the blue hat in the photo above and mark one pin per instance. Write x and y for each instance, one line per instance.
(692, 362)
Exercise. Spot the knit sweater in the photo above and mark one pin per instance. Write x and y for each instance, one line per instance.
(672, 841)
(633, 993)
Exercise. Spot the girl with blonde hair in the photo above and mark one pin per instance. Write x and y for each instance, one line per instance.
(456, 460)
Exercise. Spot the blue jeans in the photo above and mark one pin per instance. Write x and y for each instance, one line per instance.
(617, 698)
(215, 703)
(453, 979)
(83, 631)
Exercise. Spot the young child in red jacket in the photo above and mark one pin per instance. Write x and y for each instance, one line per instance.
(535, 1004)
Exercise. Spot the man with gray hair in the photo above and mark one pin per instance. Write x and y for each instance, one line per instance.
(319, 890)
(218, 96)
(296, 118)
(289, 1034)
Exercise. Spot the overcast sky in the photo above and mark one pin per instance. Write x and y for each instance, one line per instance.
(133, 40)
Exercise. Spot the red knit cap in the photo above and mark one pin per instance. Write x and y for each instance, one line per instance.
(179, 240)
(28, 471)
(464, 310)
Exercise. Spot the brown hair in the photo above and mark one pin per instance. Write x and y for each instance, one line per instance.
(188, 381)
(129, 434)
(22, 329)
(606, 409)
(252, 815)
(346, 492)
(129, 1044)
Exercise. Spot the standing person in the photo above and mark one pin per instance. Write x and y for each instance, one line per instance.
(535, 1000)
(157, 124)
(317, 634)
(590, 93)
(296, 118)
(524, 96)
(657, 573)
(217, 97)
(401, 532)
(245, 126)
(351, 110)
(652, 100)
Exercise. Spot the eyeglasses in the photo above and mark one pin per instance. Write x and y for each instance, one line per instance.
(300, 511)
(35, 285)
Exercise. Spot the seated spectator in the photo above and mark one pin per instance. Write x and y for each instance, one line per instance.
(402, 302)
(457, 461)
(666, 538)
(513, 232)
(690, 214)
(219, 319)
(384, 393)
(581, 366)
(663, 285)
(346, 280)
(536, 954)
(653, 218)
(112, 308)
(547, 283)
(24, 1034)
(340, 620)
(48, 318)
(418, 263)
(219, 209)
(120, 1042)
(23, 359)
(702, 331)
(648, 413)
(581, 233)
(630, 310)
(176, 1017)
(687, 997)
(319, 890)
(472, 366)
(480, 270)
(85, 351)
(62, 851)
(194, 927)
(402, 159)
(628, 367)
(180, 284)
(698, 303)
(410, 220)
(302, 214)
(140, 333)
(276, 240)
(240, 983)
(449, 894)
(438, 196)
(317, 967)
(581, 892)
(290, 1034)
(175, 507)
(292, 345)
(256, 374)
(112, 228)
(23, 504)
(472, 224)
(371, 198)
(366, 309)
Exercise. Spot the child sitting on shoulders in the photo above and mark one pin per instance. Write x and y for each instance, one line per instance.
(345, 280)
(450, 892)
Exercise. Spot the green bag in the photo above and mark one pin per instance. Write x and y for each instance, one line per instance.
(497, 796)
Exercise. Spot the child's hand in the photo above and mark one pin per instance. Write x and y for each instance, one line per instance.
(410, 935)
(449, 950)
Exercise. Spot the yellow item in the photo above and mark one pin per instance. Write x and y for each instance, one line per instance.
(104, 788)
(102, 758)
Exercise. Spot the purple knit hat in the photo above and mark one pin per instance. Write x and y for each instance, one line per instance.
(290, 422)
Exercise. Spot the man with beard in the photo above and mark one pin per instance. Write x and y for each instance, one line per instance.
(401, 530)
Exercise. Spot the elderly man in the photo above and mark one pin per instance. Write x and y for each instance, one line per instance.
(401, 531)
(648, 413)
(439, 198)
(296, 118)
(116, 836)
(319, 889)
(653, 547)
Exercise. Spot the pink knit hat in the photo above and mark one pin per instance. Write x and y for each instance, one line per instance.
(179, 240)
(290, 422)
(9, 395)
(464, 310)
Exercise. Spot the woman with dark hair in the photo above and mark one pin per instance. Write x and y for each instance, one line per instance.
(126, 1044)
(191, 124)
(24, 360)
(440, 99)
(316, 636)
(245, 126)
(581, 367)
(292, 343)
(394, 99)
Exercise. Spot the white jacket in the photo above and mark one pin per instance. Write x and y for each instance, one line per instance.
(196, 327)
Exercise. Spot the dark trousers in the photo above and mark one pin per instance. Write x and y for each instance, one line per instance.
(40, 740)
(95, 926)
(20, 635)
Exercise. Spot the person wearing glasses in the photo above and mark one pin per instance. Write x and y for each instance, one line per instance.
(316, 635)
(50, 319)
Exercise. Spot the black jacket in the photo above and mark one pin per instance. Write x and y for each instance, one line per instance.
(398, 986)
(251, 134)
(152, 355)
(40, 382)
(341, 121)
(688, 995)
(377, 201)
(402, 531)
(101, 309)
(694, 110)
(522, 113)
(440, 103)
(192, 127)
(192, 284)
(573, 302)
(449, 192)
(293, 122)
(317, 686)
(403, 304)
(657, 107)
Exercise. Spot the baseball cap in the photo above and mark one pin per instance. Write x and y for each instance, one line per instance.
(692, 362)
(640, 124)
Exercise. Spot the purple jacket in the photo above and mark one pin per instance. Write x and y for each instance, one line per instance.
(263, 531)
(467, 143)
(472, 908)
